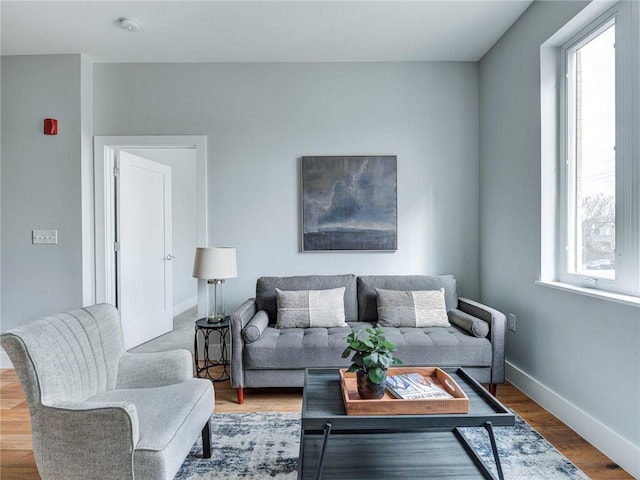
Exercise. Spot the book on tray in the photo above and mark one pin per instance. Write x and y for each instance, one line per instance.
(413, 386)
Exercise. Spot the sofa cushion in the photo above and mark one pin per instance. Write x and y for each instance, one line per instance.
(297, 348)
(310, 308)
(294, 348)
(266, 291)
(367, 297)
(414, 308)
(439, 346)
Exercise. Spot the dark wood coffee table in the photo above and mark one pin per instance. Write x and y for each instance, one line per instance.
(340, 446)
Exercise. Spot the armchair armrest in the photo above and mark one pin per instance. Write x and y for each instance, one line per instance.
(239, 319)
(110, 432)
(154, 369)
(497, 329)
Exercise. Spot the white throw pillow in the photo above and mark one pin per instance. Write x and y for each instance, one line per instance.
(310, 308)
(419, 308)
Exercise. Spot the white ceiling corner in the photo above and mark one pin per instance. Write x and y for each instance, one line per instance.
(259, 31)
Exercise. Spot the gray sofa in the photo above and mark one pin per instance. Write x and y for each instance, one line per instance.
(265, 356)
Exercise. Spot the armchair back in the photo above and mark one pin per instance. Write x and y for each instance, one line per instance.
(67, 357)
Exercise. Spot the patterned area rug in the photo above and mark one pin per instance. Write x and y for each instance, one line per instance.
(249, 446)
(265, 445)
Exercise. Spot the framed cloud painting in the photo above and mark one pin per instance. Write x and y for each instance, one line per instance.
(349, 203)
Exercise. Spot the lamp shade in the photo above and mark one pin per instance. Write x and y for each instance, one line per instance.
(215, 263)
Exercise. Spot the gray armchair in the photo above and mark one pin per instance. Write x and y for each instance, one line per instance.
(98, 412)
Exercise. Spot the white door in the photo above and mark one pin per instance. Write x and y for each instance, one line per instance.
(143, 235)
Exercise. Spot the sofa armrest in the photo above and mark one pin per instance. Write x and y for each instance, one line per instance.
(497, 329)
(239, 319)
(154, 369)
(110, 433)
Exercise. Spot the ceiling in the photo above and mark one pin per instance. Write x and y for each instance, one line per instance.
(259, 31)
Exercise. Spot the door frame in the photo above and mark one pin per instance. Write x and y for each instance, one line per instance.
(104, 203)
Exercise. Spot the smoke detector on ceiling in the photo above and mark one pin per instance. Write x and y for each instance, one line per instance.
(128, 24)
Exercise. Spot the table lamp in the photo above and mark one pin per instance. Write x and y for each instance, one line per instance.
(215, 264)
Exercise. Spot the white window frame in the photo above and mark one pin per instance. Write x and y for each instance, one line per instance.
(556, 168)
(567, 232)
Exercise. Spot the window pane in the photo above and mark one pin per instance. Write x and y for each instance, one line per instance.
(595, 222)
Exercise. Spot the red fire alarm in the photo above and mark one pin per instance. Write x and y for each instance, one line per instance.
(50, 126)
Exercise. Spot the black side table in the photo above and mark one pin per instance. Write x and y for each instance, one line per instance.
(204, 329)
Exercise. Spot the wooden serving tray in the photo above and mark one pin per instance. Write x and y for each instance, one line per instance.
(389, 405)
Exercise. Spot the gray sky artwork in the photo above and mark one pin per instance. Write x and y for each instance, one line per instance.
(349, 193)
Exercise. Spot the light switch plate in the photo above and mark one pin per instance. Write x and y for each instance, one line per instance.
(44, 237)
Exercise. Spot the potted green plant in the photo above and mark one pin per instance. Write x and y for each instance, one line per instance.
(371, 358)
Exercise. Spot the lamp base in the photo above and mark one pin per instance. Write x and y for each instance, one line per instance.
(216, 314)
(217, 319)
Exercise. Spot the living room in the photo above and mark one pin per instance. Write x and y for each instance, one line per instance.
(470, 181)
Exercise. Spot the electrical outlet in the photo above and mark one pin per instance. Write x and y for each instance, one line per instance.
(512, 322)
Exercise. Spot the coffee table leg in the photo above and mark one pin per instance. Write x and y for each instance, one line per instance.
(494, 447)
(327, 433)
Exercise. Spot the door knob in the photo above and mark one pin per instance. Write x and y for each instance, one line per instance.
(170, 257)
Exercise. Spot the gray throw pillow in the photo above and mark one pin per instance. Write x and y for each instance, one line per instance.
(470, 324)
(256, 327)
(418, 308)
(310, 308)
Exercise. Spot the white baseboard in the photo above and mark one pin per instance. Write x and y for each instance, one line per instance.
(609, 442)
(184, 306)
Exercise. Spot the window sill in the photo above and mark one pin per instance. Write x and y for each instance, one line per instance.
(592, 292)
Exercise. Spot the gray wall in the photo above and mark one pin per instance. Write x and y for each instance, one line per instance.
(184, 223)
(575, 353)
(40, 186)
(260, 118)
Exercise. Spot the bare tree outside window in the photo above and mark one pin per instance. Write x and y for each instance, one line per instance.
(599, 232)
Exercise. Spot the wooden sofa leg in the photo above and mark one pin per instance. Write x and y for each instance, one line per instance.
(493, 389)
(240, 392)
(206, 441)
